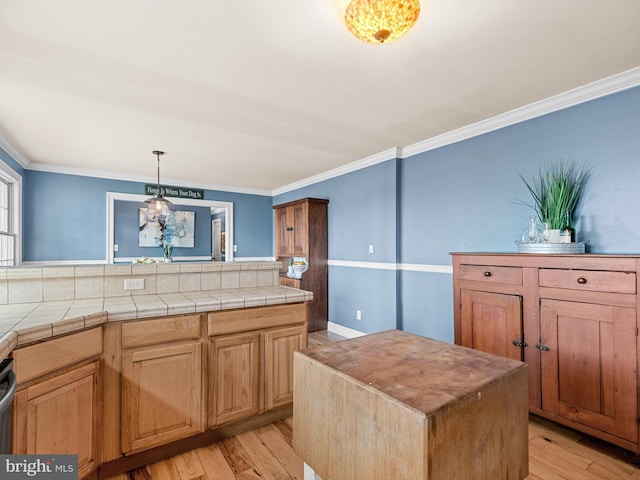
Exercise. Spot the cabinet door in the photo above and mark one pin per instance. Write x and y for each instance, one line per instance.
(279, 347)
(161, 395)
(299, 215)
(234, 377)
(492, 322)
(284, 232)
(60, 416)
(589, 370)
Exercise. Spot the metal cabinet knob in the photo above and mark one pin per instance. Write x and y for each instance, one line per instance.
(582, 280)
(487, 274)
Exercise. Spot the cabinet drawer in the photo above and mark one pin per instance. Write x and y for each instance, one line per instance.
(244, 319)
(160, 330)
(493, 274)
(52, 355)
(589, 280)
(290, 282)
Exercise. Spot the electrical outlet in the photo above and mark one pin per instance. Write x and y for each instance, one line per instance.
(358, 314)
(134, 284)
(371, 248)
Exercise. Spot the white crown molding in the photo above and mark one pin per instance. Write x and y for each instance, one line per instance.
(591, 91)
(600, 88)
(13, 151)
(390, 154)
(143, 179)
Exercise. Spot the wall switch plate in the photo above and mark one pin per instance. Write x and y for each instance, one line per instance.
(358, 314)
(371, 248)
(235, 248)
(115, 247)
(134, 284)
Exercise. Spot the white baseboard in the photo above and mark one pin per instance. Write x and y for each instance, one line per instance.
(344, 331)
(309, 474)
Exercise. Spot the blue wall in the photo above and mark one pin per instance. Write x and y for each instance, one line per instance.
(65, 217)
(362, 210)
(465, 197)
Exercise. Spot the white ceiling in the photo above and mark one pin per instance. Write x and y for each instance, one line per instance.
(258, 94)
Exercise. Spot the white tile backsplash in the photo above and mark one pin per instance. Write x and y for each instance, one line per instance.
(55, 283)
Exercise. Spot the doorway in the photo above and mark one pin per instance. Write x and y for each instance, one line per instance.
(216, 240)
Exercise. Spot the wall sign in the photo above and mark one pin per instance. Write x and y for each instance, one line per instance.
(172, 191)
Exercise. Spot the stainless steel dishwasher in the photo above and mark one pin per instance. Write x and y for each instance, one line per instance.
(7, 392)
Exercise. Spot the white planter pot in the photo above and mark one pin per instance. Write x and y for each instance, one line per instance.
(551, 236)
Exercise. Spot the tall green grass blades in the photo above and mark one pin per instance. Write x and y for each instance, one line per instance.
(555, 189)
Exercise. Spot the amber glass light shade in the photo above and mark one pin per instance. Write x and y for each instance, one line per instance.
(381, 21)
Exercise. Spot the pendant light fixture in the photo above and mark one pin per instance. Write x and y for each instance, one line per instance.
(381, 21)
(158, 205)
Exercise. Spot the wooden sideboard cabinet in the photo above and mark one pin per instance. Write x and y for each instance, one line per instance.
(573, 319)
(301, 231)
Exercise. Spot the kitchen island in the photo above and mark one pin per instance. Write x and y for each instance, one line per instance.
(396, 405)
(134, 363)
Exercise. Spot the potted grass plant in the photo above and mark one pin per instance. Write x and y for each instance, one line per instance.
(556, 189)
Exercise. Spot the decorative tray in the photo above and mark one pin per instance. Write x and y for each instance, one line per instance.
(575, 247)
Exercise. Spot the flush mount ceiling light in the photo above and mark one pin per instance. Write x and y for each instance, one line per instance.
(158, 205)
(381, 21)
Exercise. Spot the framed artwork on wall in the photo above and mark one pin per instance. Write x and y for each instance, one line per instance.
(175, 229)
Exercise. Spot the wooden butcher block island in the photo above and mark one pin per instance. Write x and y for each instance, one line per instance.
(393, 405)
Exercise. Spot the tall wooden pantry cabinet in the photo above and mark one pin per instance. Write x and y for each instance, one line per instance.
(572, 319)
(301, 231)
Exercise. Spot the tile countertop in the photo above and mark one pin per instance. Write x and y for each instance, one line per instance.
(23, 323)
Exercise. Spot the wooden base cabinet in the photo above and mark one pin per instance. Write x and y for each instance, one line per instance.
(234, 377)
(251, 371)
(162, 382)
(59, 398)
(574, 317)
(59, 416)
(161, 395)
(280, 345)
(149, 387)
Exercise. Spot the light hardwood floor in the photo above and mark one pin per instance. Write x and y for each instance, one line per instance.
(555, 453)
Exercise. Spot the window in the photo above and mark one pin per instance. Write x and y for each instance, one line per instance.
(9, 216)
